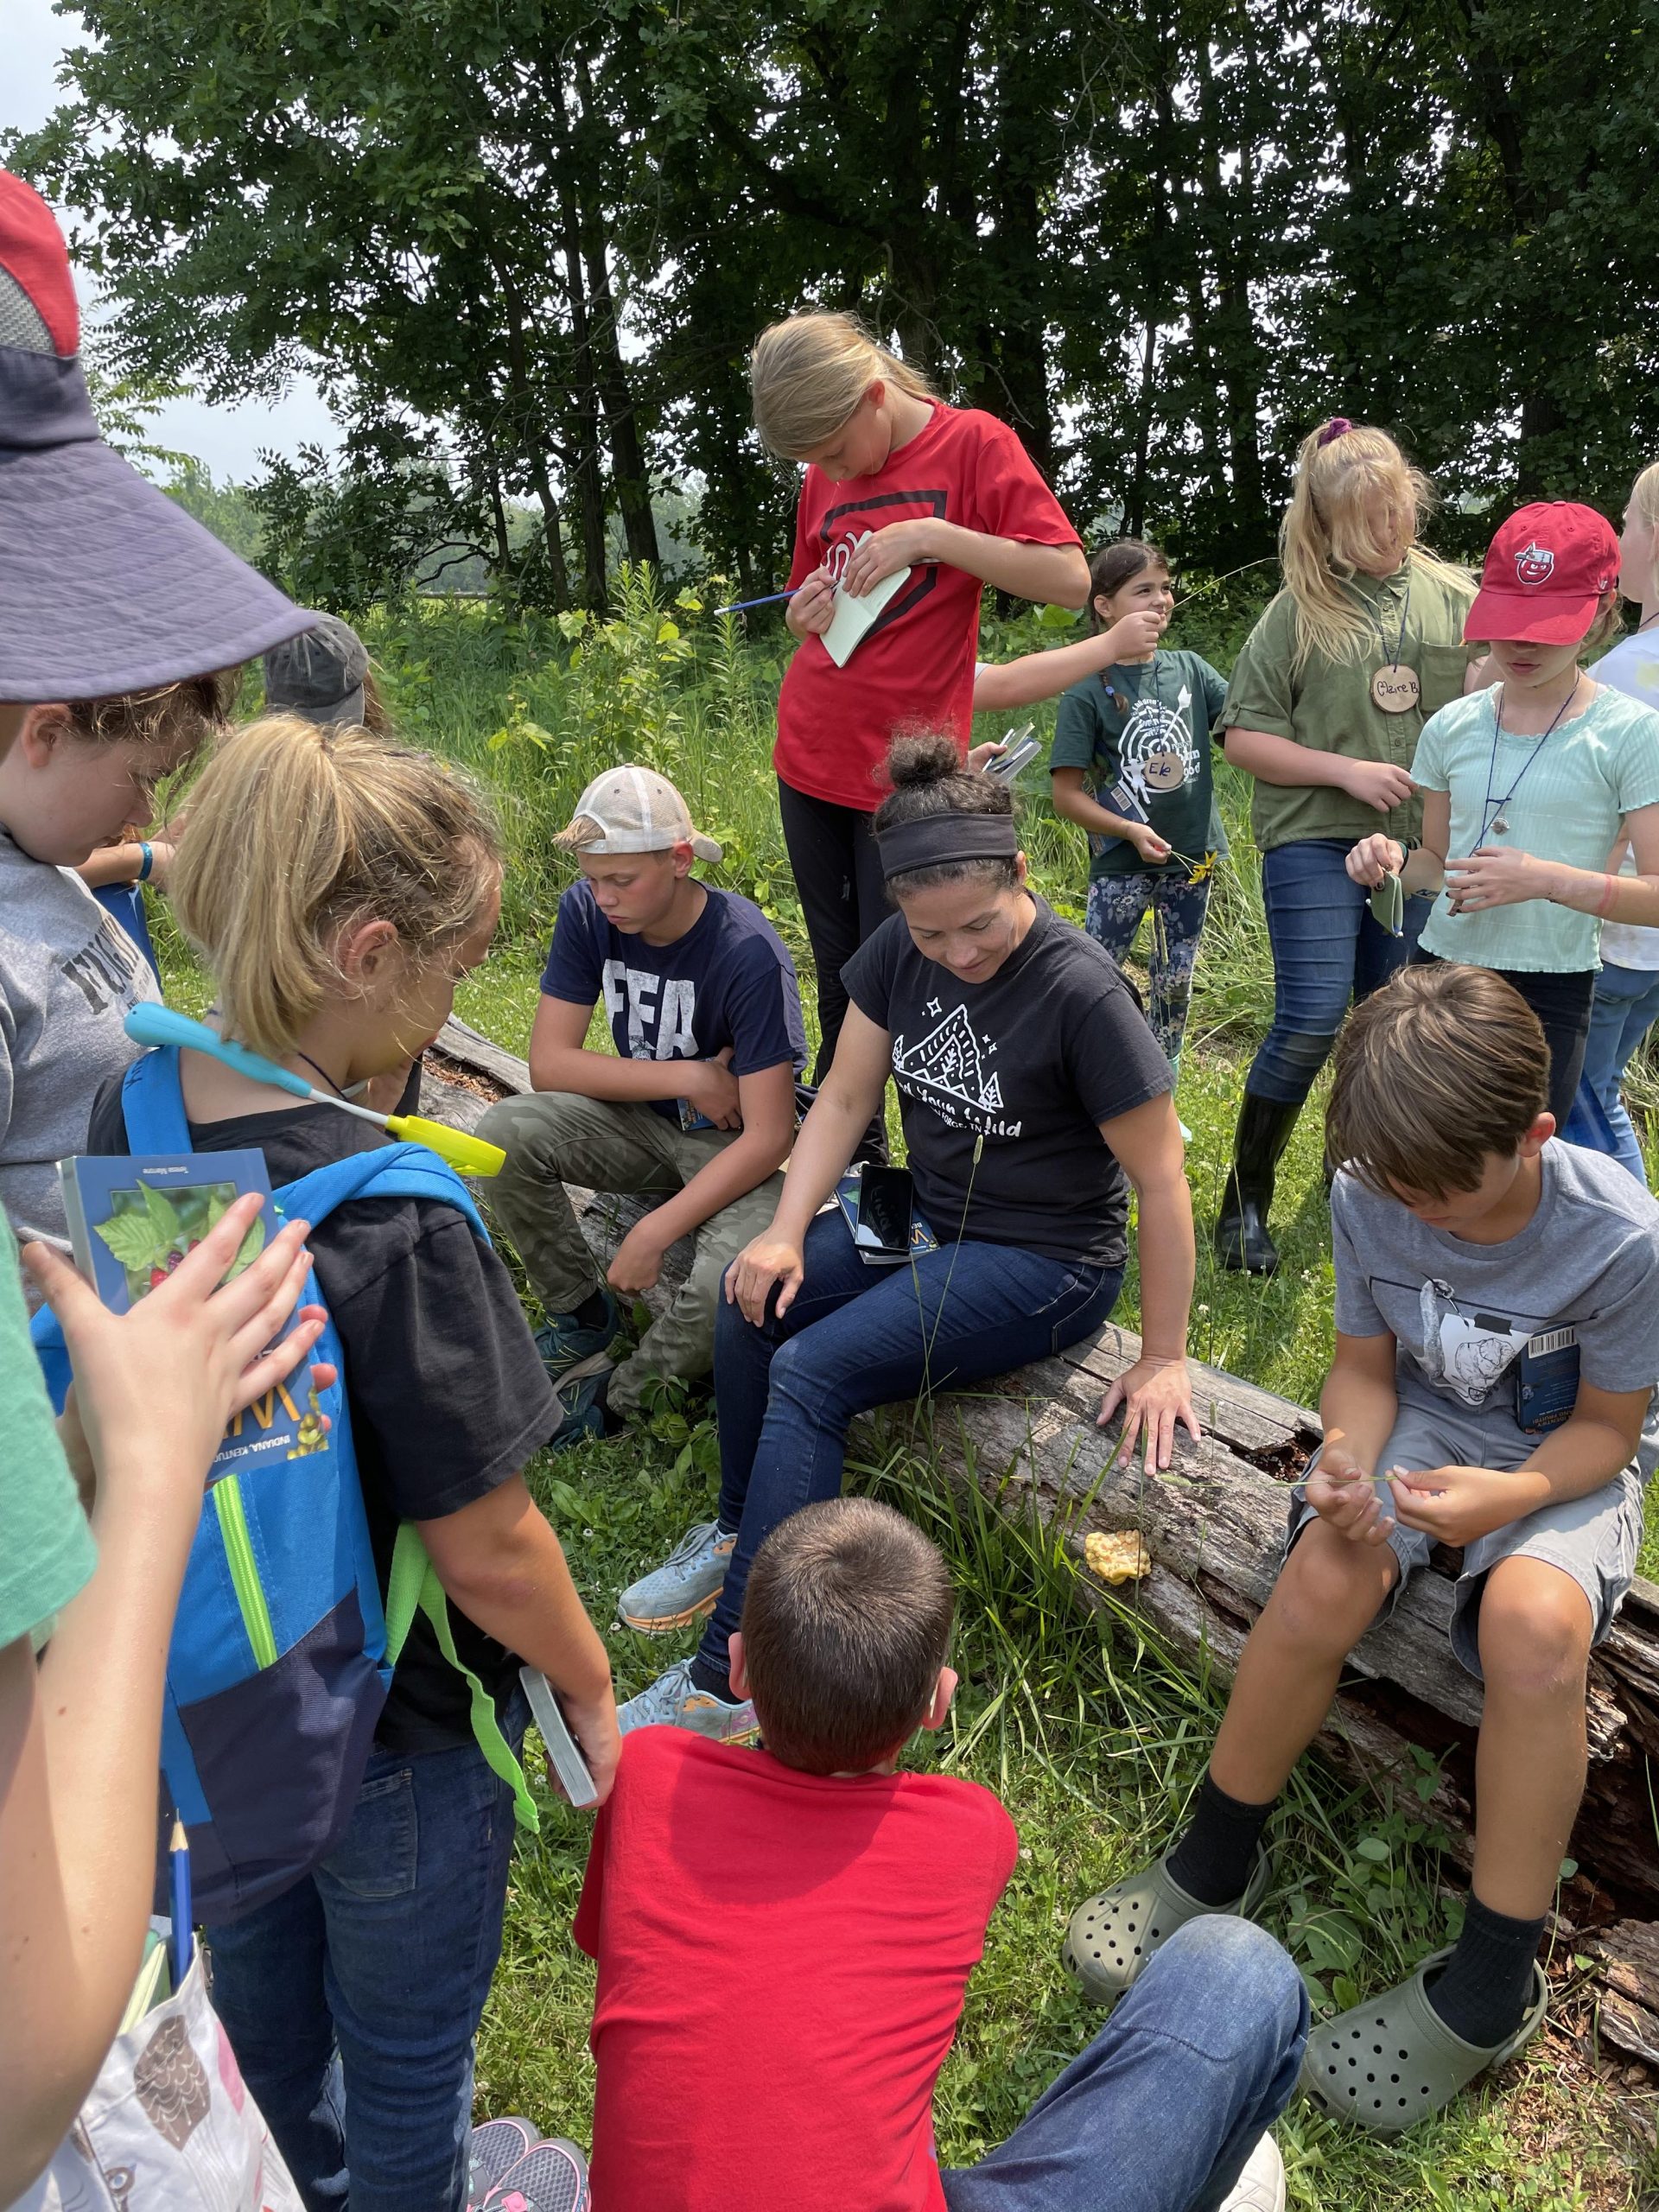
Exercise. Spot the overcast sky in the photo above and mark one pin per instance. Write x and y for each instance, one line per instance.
(32, 37)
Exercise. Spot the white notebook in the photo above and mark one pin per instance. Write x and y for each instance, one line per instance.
(852, 617)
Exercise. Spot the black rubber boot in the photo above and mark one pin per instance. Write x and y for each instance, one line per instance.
(1242, 1239)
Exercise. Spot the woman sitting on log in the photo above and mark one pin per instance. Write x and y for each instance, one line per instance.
(1032, 1095)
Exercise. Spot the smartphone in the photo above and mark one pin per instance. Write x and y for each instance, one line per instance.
(886, 1203)
(692, 1117)
(1022, 748)
(562, 1748)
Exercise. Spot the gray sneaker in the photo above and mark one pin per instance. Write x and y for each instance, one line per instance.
(683, 1588)
(675, 1702)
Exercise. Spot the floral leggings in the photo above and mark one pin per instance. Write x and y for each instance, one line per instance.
(1117, 904)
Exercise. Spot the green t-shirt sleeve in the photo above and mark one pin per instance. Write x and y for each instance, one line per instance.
(1214, 686)
(1260, 696)
(1076, 729)
(1428, 769)
(45, 1546)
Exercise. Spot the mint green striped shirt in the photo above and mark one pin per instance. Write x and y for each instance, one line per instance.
(1591, 772)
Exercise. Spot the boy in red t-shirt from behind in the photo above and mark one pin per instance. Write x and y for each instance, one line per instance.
(783, 1937)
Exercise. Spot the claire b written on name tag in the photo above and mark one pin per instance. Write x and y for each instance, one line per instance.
(1395, 689)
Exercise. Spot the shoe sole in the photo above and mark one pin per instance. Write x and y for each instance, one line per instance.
(666, 1623)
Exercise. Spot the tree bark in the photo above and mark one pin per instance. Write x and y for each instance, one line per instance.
(630, 474)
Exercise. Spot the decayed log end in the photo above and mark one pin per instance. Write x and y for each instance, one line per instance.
(1214, 1526)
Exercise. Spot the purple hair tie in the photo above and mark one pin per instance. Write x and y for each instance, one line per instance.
(1338, 426)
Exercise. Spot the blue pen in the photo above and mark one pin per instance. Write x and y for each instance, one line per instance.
(771, 599)
(179, 1866)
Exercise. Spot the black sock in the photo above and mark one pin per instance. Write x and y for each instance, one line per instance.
(711, 1679)
(1483, 1991)
(592, 1312)
(1212, 1860)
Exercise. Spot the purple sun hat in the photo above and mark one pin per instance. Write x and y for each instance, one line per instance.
(106, 585)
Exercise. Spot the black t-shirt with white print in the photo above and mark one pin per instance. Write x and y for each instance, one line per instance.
(1002, 1086)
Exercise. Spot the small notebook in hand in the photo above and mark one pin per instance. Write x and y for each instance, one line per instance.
(132, 1220)
(853, 618)
(922, 1238)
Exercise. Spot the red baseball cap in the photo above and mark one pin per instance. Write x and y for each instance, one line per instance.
(106, 585)
(1545, 576)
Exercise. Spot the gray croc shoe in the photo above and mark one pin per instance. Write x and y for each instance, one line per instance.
(1388, 2064)
(1111, 1936)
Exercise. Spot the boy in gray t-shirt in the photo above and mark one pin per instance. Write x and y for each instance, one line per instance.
(1498, 1346)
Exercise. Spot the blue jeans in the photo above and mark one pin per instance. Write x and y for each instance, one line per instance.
(1327, 950)
(1626, 1007)
(352, 2000)
(1160, 2112)
(857, 1337)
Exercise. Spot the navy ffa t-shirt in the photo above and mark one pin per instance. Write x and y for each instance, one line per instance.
(1003, 1085)
(728, 981)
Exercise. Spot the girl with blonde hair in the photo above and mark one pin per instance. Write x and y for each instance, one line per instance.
(337, 886)
(896, 481)
(1334, 684)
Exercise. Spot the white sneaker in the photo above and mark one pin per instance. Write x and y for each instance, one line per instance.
(1187, 1133)
(1261, 2187)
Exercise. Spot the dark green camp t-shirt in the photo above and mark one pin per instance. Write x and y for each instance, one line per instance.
(1327, 705)
(1148, 724)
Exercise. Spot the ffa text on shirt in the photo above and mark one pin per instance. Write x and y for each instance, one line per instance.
(631, 997)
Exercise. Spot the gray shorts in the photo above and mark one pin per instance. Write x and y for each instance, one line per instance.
(1595, 1540)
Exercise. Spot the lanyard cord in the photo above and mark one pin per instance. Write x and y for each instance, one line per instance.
(1375, 619)
(1492, 816)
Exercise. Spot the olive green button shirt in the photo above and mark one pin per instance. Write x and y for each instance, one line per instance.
(1327, 704)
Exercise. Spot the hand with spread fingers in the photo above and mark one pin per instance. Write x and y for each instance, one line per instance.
(1155, 1398)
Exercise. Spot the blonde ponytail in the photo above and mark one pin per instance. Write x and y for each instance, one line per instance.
(296, 833)
(1327, 533)
(809, 373)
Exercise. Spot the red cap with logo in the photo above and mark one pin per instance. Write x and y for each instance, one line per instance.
(1545, 576)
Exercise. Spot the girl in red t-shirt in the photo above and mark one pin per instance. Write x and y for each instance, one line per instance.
(895, 480)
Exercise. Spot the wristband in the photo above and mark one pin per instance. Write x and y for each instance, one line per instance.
(1610, 891)
(146, 862)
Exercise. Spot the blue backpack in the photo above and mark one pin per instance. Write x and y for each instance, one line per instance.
(281, 1653)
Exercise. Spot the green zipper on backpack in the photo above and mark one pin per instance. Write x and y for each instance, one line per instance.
(244, 1571)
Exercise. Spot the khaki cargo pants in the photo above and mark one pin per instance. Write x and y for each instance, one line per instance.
(553, 1137)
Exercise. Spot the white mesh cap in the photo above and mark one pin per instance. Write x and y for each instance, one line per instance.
(634, 810)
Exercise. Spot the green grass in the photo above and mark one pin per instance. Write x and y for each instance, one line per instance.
(1092, 1739)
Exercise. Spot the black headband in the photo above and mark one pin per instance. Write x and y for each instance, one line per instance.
(935, 840)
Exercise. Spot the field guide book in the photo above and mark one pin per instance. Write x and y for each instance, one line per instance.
(132, 1219)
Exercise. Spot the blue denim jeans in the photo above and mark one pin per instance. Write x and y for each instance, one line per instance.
(1626, 1006)
(1160, 2112)
(351, 2001)
(1327, 950)
(857, 1337)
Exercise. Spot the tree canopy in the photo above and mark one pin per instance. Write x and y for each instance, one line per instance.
(528, 246)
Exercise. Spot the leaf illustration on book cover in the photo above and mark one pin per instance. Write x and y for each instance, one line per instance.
(171, 2084)
(138, 1235)
(148, 1231)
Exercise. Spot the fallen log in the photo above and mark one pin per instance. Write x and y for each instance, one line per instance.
(1213, 1527)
